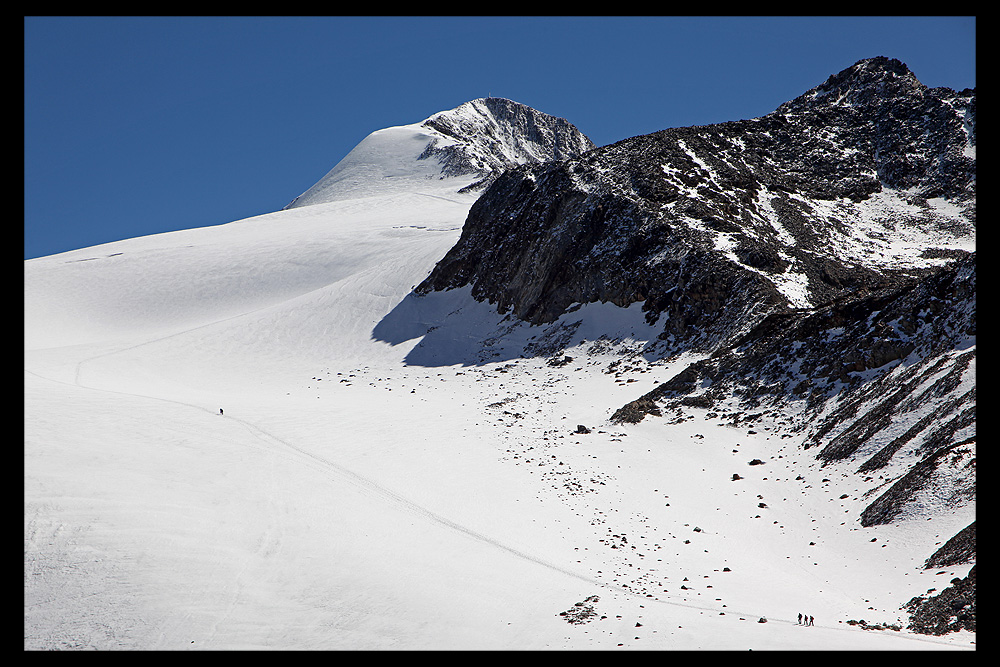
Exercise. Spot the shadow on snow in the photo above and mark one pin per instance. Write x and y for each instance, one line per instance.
(451, 328)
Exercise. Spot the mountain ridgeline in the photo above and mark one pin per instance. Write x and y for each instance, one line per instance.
(489, 135)
(460, 150)
(820, 258)
(757, 214)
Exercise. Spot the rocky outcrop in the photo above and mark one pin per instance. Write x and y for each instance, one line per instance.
(909, 135)
(959, 549)
(883, 378)
(484, 137)
(951, 610)
(714, 228)
(892, 503)
(535, 243)
(810, 355)
(821, 259)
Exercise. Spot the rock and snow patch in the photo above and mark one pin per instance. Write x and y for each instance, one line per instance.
(400, 469)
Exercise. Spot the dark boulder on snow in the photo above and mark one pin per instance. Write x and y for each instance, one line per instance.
(950, 610)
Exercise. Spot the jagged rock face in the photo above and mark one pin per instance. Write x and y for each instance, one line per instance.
(715, 227)
(911, 134)
(535, 244)
(493, 134)
(823, 255)
(881, 379)
(959, 549)
(951, 610)
(821, 353)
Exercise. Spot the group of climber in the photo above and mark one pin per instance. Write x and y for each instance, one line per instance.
(805, 620)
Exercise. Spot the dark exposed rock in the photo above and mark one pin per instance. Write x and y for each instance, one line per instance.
(699, 223)
(493, 134)
(581, 612)
(959, 549)
(887, 506)
(951, 610)
(912, 129)
(772, 247)
(796, 356)
(634, 411)
(556, 362)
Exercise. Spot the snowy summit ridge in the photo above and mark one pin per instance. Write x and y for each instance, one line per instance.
(465, 147)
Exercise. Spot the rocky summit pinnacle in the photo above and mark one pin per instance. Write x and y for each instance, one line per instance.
(867, 81)
(491, 134)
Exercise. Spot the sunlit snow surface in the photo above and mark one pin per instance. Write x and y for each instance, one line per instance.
(252, 436)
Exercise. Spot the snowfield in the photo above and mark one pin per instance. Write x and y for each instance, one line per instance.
(253, 436)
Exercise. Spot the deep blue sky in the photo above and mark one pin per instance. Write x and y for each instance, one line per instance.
(141, 125)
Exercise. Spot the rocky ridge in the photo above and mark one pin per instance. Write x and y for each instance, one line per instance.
(486, 136)
(880, 381)
(790, 210)
(821, 260)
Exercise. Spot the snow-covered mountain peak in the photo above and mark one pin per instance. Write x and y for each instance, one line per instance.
(497, 133)
(465, 147)
(666, 394)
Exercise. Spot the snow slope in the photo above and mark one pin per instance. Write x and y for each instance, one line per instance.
(386, 161)
(252, 436)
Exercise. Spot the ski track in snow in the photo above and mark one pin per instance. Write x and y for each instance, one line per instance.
(367, 487)
(373, 490)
